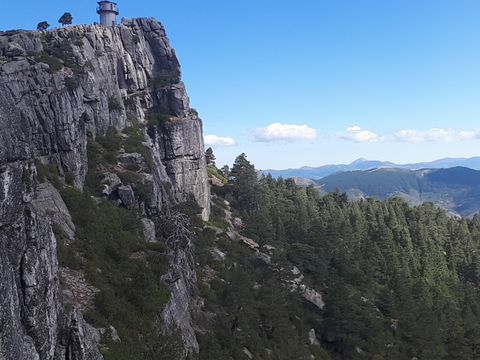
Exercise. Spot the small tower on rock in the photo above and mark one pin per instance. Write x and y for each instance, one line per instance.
(108, 11)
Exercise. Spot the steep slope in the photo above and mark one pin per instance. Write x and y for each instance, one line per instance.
(59, 91)
(455, 189)
(385, 280)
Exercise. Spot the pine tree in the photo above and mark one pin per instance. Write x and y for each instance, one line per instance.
(245, 184)
(42, 26)
(66, 19)
(210, 157)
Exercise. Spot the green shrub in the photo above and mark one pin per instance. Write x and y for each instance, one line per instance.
(141, 191)
(132, 119)
(48, 173)
(157, 247)
(213, 171)
(164, 80)
(134, 179)
(111, 143)
(67, 256)
(217, 211)
(134, 143)
(53, 62)
(89, 65)
(95, 159)
(218, 223)
(70, 178)
(155, 119)
(63, 50)
(114, 104)
(72, 83)
(132, 167)
(129, 177)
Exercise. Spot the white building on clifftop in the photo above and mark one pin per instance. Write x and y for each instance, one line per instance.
(108, 11)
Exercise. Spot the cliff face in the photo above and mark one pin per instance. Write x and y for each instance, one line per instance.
(58, 90)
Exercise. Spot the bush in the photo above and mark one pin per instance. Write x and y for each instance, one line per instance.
(67, 256)
(72, 83)
(70, 178)
(155, 119)
(164, 80)
(114, 104)
(63, 50)
(218, 223)
(213, 171)
(95, 159)
(129, 177)
(54, 63)
(48, 173)
(134, 143)
(157, 247)
(111, 143)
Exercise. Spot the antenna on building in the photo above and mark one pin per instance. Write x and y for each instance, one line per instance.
(108, 11)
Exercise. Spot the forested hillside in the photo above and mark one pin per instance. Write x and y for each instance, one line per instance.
(396, 282)
(456, 189)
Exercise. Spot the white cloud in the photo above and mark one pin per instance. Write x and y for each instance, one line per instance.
(214, 140)
(435, 134)
(285, 132)
(357, 134)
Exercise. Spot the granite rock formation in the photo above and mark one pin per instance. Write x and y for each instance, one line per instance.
(58, 89)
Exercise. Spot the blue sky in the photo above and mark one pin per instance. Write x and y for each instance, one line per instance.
(311, 82)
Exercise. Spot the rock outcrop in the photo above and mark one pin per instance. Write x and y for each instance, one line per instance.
(58, 89)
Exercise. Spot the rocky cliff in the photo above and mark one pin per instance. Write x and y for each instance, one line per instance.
(60, 90)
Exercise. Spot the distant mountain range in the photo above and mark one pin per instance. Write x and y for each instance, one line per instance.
(316, 173)
(456, 189)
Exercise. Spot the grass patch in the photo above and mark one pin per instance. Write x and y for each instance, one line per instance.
(213, 171)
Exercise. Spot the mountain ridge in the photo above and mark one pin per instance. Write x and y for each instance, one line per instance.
(316, 173)
(456, 189)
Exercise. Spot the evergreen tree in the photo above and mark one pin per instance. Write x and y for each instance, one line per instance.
(42, 26)
(66, 19)
(210, 157)
(245, 184)
(225, 171)
(398, 282)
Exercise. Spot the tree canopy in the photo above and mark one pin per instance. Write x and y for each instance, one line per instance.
(43, 26)
(66, 19)
(398, 282)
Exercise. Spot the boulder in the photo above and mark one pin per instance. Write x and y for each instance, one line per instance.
(127, 196)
